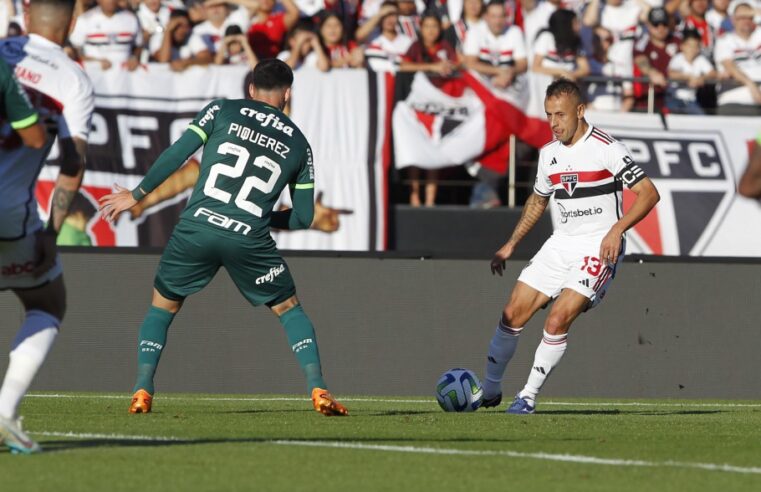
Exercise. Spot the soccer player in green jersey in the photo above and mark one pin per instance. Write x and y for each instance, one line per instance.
(252, 150)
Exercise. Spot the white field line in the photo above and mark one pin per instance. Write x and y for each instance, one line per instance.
(431, 401)
(567, 458)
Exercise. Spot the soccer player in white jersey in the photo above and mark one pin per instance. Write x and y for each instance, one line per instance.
(584, 170)
(62, 93)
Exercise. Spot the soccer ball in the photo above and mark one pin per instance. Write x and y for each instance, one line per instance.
(459, 390)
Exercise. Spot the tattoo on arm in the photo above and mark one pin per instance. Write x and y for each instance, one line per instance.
(532, 212)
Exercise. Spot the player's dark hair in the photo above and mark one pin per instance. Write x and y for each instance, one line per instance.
(564, 87)
(271, 74)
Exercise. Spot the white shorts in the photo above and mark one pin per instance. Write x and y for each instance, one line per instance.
(566, 262)
(17, 262)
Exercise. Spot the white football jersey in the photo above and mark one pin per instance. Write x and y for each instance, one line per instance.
(384, 55)
(111, 38)
(746, 54)
(60, 90)
(586, 181)
(501, 50)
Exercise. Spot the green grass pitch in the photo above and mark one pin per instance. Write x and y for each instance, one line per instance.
(273, 443)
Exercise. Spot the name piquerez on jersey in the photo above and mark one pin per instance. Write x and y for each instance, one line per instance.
(250, 135)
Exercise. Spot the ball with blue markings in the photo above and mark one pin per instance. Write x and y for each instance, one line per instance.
(459, 390)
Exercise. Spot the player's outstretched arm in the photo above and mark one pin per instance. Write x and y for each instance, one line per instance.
(647, 197)
(298, 217)
(112, 205)
(532, 212)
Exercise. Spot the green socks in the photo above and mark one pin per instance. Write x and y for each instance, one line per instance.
(303, 341)
(151, 342)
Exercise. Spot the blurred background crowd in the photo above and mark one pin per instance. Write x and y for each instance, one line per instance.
(678, 56)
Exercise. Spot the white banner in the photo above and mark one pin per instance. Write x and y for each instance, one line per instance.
(696, 163)
(431, 127)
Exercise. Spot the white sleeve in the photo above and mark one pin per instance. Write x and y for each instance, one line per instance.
(154, 45)
(516, 43)
(704, 66)
(77, 109)
(676, 64)
(542, 184)
(543, 43)
(79, 34)
(619, 162)
(196, 44)
(471, 47)
(723, 49)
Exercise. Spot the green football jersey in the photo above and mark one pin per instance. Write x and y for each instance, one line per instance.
(251, 152)
(14, 103)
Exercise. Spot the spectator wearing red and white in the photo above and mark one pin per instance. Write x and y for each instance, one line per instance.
(738, 55)
(305, 50)
(718, 17)
(694, 18)
(178, 46)
(234, 49)
(218, 19)
(536, 17)
(472, 12)
(383, 53)
(108, 35)
(557, 50)
(691, 68)
(269, 28)
(652, 54)
(342, 53)
(495, 49)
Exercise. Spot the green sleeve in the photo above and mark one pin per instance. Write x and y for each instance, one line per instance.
(20, 112)
(298, 217)
(168, 162)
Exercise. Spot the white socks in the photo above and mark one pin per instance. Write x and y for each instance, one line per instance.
(501, 350)
(24, 362)
(548, 355)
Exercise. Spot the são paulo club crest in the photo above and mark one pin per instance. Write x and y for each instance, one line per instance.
(694, 176)
(569, 182)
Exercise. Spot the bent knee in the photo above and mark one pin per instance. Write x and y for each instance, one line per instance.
(516, 315)
(557, 323)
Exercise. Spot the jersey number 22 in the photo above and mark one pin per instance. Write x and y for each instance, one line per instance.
(236, 171)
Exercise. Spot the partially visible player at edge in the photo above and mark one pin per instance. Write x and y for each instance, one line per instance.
(61, 92)
(252, 150)
(584, 169)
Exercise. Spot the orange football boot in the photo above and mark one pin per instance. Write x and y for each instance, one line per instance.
(141, 402)
(326, 404)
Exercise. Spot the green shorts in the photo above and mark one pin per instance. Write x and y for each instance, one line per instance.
(194, 254)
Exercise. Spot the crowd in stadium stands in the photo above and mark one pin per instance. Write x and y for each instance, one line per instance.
(683, 47)
(679, 56)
